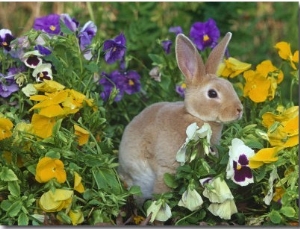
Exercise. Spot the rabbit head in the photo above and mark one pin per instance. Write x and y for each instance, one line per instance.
(207, 97)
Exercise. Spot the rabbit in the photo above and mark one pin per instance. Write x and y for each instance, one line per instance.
(151, 140)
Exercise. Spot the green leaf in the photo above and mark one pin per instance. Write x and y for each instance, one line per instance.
(275, 217)
(135, 190)
(23, 219)
(170, 180)
(156, 58)
(288, 211)
(14, 209)
(106, 180)
(14, 188)
(8, 175)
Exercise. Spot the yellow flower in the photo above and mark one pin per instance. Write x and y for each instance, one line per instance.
(42, 125)
(284, 51)
(266, 155)
(82, 135)
(48, 168)
(76, 216)
(283, 129)
(256, 87)
(78, 186)
(267, 69)
(232, 67)
(56, 201)
(279, 191)
(49, 86)
(75, 101)
(137, 219)
(5, 128)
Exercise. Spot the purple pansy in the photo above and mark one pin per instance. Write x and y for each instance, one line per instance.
(175, 29)
(114, 49)
(85, 36)
(5, 38)
(238, 164)
(180, 89)
(71, 23)
(205, 34)
(42, 50)
(126, 82)
(48, 24)
(8, 84)
(167, 46)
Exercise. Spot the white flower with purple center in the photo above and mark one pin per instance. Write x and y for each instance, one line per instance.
(32, 59)
(5, 38)
(42, 72)
(238, 169)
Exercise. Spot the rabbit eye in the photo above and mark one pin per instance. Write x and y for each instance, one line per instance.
(212, 94)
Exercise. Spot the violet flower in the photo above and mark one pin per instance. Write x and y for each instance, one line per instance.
(48, 24)
(167, 46)
(131, 82)
(71, 23)
(114, 49)
(7, 85)
(205, 34)
(43, 50)
(108, 84)
(85, 36)
(5, 38)
(175, 29)
(180, 89)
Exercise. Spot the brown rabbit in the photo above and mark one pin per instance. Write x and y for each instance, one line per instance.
(151, 140)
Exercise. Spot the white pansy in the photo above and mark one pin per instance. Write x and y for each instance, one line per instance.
(29, 90)
(160, 211)
(191, 199)
(39, 72)
(224, 210)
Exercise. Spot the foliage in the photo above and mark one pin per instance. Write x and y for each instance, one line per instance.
(59, 133)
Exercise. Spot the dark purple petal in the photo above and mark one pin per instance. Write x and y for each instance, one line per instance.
(5, 39)
(243, 173)
(175, 29)
(48, 24)
(42, 50)
(43, 76)
(33, 61)
(243, 160)
(114, 49)
(132, 82)
(167, 46)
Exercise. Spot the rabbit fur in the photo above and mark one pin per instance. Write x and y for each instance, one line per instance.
(151, 140)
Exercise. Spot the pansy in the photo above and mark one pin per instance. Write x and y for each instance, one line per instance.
(49, 24)
(49, 168)
(5, 128)
(155, 74)
(78, 186)
(266, 155)
(42, 126)
(29, 90)
(49, 86)
(8, 85)
(114, 49)
(160, 210)
(42, 72)
(5, 39)
(43, 50)
(205, 34)
(32, 59)
(71, 23)
(191, 199)
(167, 46)
(180, 89)
(232, 67)
(238, 169)
(175, 29)
(131, 82)
(283, 128)
(76, 217)
(85, 36)
(284, 51)
(82, 135)
(57, 200)
(220, 196)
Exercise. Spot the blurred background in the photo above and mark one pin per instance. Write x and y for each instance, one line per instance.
(256, 26)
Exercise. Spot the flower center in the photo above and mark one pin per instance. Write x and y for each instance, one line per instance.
(130, 82)
(41, 75)
(4, 43)
(183, 85)
(52, 27)
(205, 37)
(239, 166)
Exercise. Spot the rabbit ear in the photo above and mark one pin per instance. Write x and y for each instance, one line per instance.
(188, 59)
(217, 55)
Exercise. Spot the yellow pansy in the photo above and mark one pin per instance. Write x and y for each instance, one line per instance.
(5, 128)
(284, 51)
(256, 87)
(232, 67)
(42, 125)
(82, 135)
(56, 201)
(78, 186)
(283, 129)
(49, 86)
(76, 217)
(263, 156)
(48, 168)
(279, 191)
(267, 69)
